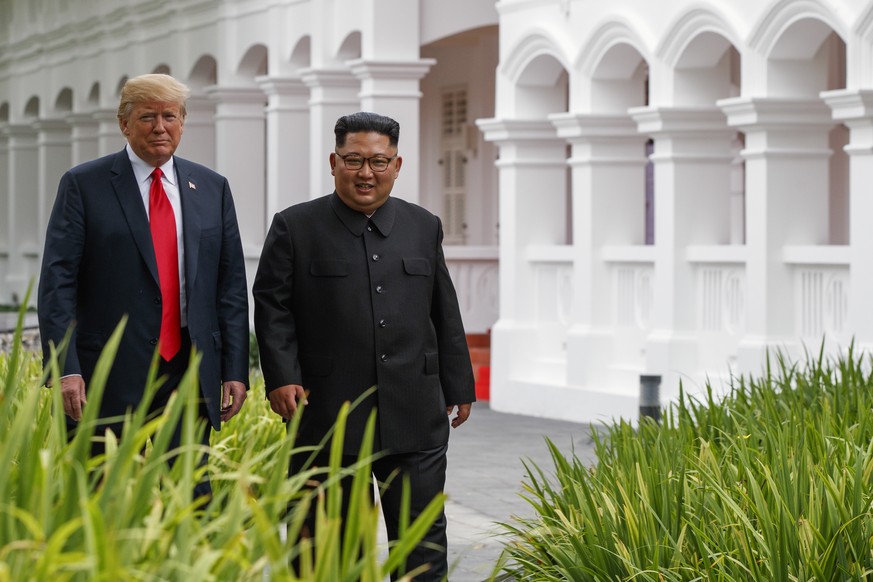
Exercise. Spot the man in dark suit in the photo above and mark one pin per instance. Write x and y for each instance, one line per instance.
(160, 246)
(352, 292)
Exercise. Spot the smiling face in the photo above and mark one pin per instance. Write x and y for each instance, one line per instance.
(365, 190)
(153, 130)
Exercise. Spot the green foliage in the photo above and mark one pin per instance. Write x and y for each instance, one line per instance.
(130, 516)
(254, 354)
(772, 482)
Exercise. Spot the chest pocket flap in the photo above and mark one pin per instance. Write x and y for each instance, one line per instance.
(417, 266)
(329, 268)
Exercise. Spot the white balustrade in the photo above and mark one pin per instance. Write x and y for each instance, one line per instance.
(474, 272)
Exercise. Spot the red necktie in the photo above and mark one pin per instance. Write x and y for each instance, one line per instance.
(162, 222)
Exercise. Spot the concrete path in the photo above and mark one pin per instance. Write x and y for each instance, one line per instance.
(485, 475)
(8, 319)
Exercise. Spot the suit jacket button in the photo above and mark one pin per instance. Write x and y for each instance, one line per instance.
(157, 300)
(379, 289)
(382, 323)
(375, 257)
(153, 341)
(384, 357)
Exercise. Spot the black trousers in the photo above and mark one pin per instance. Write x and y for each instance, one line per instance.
(426, 474)
(173, 371)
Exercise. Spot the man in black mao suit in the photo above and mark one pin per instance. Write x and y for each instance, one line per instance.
(100, 263)
(352, 291)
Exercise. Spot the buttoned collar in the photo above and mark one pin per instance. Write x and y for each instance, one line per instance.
(382, 219)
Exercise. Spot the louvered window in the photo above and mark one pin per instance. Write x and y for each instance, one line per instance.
(454, 165)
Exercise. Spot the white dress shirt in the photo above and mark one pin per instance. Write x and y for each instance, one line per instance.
(143, 172)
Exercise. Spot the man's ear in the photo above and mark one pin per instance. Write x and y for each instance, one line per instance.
(332, 160)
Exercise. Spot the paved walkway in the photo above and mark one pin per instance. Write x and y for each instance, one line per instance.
(8, 319)
(485, 478)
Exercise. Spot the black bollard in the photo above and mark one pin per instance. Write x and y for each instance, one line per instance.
(650, 397)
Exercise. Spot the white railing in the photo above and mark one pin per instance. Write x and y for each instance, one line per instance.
(474, 271)
(720, 289)
(552, 267)
(632, 280)
(721, 296)
(821, 292)
(633, 270)
(553, 286)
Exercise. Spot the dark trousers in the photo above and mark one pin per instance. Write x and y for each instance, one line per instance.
(426, 474)
(172, 371)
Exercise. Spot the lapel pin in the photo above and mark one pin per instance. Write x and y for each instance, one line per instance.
(192, 186)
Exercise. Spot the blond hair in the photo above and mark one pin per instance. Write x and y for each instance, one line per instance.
(152, 87)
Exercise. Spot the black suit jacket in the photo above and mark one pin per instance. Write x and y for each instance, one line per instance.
(99, 264)
(343, 303)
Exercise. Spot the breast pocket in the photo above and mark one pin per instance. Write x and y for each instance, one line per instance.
(417, 266)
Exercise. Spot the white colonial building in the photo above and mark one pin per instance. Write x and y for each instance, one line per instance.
(670, 188)
(269, 80)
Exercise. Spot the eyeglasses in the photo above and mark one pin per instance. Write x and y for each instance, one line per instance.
(356, 162)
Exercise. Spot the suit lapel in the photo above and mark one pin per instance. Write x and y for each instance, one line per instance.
(129, 197)
(191, 213)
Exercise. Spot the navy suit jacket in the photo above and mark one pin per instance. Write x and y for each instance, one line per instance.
(343, 303)
(99, 264)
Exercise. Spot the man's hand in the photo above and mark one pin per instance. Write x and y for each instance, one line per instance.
(285, 399)
(233, 394)
(463, 413)
(73, 391)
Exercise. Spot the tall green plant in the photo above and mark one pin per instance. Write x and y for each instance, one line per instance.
(130, 515)
(772, 482)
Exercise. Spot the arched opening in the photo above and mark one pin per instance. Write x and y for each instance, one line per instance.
(94, 95)
(807, 59)
(253, 62)
(620, 81)
(457, 164)
(350, 48)
(64, 101)
(301, 56)
(542, 89)
(203, 73)
(31, 110)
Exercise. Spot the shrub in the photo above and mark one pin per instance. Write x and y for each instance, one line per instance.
(772, 482)
(130, 516)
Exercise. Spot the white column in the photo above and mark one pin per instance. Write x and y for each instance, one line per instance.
(198, 142)
(240, 153)
(787, 163)
(392, 89)
(240, 156)
(288, 154)
(83, 137)
(334, 93)
(532, 171)
(109, 137)
(22, 220)
(54, 155)
(608, 167)
(855, 109)
(692, 165)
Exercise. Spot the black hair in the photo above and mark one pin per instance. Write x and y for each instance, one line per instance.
(364, 121)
